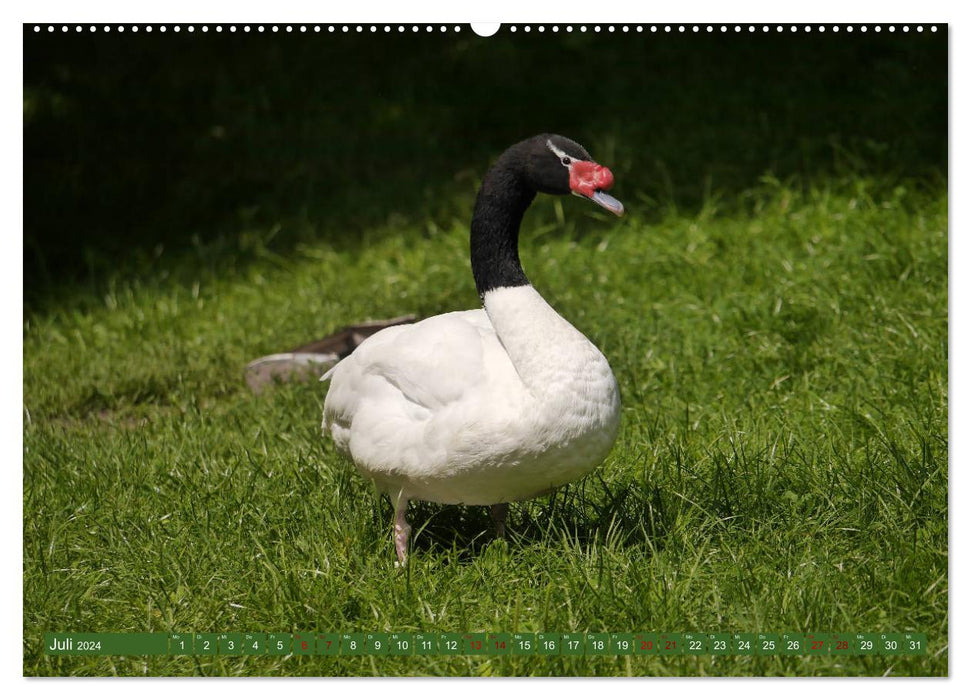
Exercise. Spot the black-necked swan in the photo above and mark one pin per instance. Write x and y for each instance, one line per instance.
(498, 404)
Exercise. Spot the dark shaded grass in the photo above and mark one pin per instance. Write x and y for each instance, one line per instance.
(156, 155)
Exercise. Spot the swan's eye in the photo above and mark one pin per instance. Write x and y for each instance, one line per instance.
(565, 160)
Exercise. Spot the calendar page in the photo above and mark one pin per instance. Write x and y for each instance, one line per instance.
(523, 349)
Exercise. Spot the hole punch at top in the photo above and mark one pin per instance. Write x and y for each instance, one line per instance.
(485, 29)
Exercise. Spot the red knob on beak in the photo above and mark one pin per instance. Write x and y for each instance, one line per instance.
(604, 178)
(586, 177)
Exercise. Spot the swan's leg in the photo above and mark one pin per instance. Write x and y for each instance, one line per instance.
(401, 530)
(499, 513)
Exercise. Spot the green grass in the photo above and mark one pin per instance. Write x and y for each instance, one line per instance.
(781, 465)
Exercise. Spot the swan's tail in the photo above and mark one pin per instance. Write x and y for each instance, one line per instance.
(306, 361)
(327, 375)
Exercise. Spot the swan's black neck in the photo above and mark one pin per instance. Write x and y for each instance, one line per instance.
(499, 208)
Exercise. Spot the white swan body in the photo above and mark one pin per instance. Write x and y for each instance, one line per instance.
(477, 407)
(489, 406)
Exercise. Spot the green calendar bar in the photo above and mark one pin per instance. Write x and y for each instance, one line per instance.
(571, 644)
(548, 644)
(401, 644)
(499, 643)
(426, 644)
(660, 644)
(352, 644)
(695, 644)
(841, 644)
(622, 644)
(327, 644)
(745, 644)
(205, 644)
(670, 644)
(719, 644)
(891, 644)
(867, 644)
(180, 644)
(597, 644)
(229, 644)
(646, 643)
(303, 643)
(815, 644)
(279, 644)
(254, 644)
(377, 644)
(768, 644)
(450, 644)
(915, 643)
(475, 644)
(524, 644)
(106, 644)
(792, 644)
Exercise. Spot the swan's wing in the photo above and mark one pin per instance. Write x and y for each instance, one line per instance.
(432, 363)
(410, 372)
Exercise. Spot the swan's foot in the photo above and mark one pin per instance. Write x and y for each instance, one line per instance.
(401, 532)
(499, 513)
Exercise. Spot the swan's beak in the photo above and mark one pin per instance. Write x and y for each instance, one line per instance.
(607, 202)
(591, 180)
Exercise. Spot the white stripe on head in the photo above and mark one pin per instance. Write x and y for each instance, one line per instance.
(560, 153)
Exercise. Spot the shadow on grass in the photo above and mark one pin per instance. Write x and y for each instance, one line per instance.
(591, 512)
(148, 155)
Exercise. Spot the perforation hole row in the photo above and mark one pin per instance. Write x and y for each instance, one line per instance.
(513, 28)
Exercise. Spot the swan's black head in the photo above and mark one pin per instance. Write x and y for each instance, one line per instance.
(554, 164)
(546, 163)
